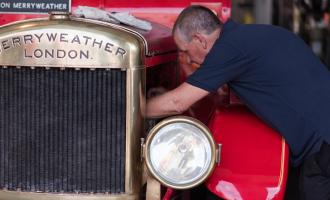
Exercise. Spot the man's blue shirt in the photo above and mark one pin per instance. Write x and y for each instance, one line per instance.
(278, 77)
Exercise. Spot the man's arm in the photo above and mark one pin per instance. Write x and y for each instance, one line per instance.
(175, 101)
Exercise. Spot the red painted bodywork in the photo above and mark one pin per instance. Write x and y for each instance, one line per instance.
(254, 157)
(163, 12)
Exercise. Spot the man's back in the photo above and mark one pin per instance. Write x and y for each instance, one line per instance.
(278, 77)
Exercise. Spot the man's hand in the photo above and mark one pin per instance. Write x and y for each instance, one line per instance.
(175, 101)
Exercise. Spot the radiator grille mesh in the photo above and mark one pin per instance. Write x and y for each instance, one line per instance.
(62, 130)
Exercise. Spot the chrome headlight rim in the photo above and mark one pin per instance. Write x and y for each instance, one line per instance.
(193, 122)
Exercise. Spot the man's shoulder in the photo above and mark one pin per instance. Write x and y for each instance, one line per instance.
(236, 33)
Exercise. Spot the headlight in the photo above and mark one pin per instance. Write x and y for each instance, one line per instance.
(180, 152)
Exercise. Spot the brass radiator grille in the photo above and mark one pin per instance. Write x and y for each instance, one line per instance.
(62, 130)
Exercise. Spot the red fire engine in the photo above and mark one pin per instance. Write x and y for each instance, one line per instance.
(58, 140)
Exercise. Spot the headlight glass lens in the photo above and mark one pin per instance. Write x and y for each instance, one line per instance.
(180, 153)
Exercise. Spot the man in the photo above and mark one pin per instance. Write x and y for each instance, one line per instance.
(273, 72)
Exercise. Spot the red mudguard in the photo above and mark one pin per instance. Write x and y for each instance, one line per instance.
(254, 157)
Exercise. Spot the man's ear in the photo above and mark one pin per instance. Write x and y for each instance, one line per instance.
(201, 39)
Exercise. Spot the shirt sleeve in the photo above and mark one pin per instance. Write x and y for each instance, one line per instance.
(223, 64)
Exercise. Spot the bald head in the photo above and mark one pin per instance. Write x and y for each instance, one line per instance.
(196, 19)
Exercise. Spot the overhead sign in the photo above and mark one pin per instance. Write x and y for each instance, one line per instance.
(34, 6)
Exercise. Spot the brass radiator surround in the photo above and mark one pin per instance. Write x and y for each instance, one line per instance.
(33, 44)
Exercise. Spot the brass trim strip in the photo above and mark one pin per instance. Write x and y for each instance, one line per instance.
(135, 93)
(218, 154)
(280, 180)
(11, 195)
